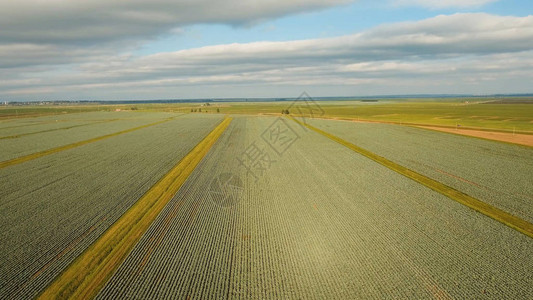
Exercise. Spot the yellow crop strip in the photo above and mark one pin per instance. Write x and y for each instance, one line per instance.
(18, 160)
(497, 214)
(90, 271)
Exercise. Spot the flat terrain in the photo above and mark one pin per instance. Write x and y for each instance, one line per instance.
(319, 222)
(273, 210)
(495, 114)
(19, 140)
(477, 114)
(493, 172)
(54, 207)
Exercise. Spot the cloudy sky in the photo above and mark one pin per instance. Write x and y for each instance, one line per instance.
(171, 49)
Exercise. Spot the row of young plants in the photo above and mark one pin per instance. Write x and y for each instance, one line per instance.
(190, 231)
(493, 172)
(46, 138)
(54, 207)
(320, 222)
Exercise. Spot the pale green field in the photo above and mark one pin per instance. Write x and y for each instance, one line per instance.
(490, 171)
(320, 222)
(54, 207)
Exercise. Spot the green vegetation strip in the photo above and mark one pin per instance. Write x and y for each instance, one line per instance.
(18, 160)
(497, 214)
(89, 272)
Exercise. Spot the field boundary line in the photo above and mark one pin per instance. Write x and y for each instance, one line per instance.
(493, 212)
(19, 160)
(15, 136)
(89, 272)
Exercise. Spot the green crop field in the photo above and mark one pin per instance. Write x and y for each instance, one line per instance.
(8, 113)
(466, 112)
(504, 114)
(247, 203)
(20, 141)
(447, 113)
(319, 223)
(53, 207)
(493, 172)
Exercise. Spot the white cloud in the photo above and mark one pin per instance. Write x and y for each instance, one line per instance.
(437, 4)
(95, 21)
(435, 38)
(445, 54)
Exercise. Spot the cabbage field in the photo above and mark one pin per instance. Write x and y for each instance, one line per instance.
(27, 138)
(53, 207)
(497, 173)
(274, 210)
(319, 223)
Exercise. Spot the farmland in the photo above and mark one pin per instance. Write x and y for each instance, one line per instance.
(20, 141)
(466, 112)
(314, 219)
(493, 172)
(498, 114)
(74, 195)
(311, 227)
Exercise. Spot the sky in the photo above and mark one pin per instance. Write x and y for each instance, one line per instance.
(163, 49)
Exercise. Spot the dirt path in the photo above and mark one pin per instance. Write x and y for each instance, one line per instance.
(521, 139)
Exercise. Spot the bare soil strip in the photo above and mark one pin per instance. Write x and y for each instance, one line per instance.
(32, 156)
(497, 214)
(89, 272)
(518, 138)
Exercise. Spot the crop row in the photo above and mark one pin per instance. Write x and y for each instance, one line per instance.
(494, 172)
(320, 222)
(28, 144)
(54, 207)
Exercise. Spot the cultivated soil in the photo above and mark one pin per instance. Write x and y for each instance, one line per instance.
(522, 139)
